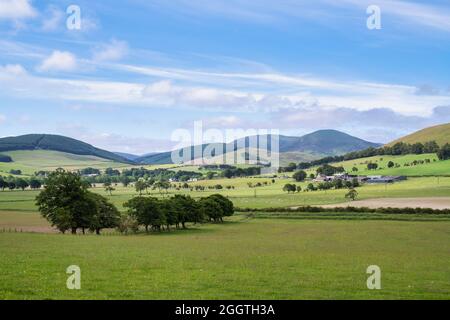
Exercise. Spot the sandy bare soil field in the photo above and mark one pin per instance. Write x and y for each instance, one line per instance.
(434, 203)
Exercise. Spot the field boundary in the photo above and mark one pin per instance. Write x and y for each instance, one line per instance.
(350, 209)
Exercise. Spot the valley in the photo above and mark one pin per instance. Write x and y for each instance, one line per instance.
(266, 221)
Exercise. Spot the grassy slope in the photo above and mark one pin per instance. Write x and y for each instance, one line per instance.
(440, 133)
(247, 259)
(56, 143)
(31, 161)
(438, 168)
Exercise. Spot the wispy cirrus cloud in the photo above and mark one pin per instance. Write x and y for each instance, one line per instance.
(413, 14)
(293, 91)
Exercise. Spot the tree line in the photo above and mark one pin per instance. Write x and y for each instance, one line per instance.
(326, 185)
(13, 183)
(67, 204)
(127, 176)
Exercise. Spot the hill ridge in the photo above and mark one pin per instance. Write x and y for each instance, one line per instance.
(439, 133)
(56, 142)
(325, 142)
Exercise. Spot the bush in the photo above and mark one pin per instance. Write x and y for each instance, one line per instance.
(299, 175)
(444, 152)
(5, 158)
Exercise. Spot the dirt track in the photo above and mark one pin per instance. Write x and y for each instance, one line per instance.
(434, 203)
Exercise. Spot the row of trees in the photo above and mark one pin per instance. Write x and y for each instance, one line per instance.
(127, 176)
(159, 214)
(240, 172)
(326, 185)
(12, 183)
(67, 204)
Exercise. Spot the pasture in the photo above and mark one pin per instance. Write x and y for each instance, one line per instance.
(434, 168)
(271, 195)
(241, 259)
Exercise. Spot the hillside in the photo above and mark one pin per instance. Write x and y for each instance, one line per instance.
(308, 147)
(56, 143)
(412, 165)
(30, 161)
(439, 133)
(329, 142)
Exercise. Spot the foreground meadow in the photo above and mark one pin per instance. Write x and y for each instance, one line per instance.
(241, 259)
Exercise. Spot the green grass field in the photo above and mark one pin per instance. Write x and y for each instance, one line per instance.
(242, 259)
(432, 169)
(271, 195)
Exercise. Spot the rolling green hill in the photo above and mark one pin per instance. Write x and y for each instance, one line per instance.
(308, 147)
(31, 161)
(56, 143)
(440, 134)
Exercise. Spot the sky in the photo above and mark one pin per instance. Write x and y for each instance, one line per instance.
(131, 73)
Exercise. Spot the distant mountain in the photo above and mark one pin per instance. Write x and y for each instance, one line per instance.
(128, 156)
(308, 147)
(439, 133)
(56, 143)
(329, 142)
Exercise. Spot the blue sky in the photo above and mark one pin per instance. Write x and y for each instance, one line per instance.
(136, 71)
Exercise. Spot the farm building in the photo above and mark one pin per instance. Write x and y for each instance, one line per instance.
(337, 176)
(384, 179)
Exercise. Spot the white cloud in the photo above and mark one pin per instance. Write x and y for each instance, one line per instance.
(166, 94)
(134, 145)
(53, 19)
(113, 51)
(115, 142)
(267, 91)
(328, 94)
(231, 121)
(16, 9)
(12, 70)
(59, 61)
